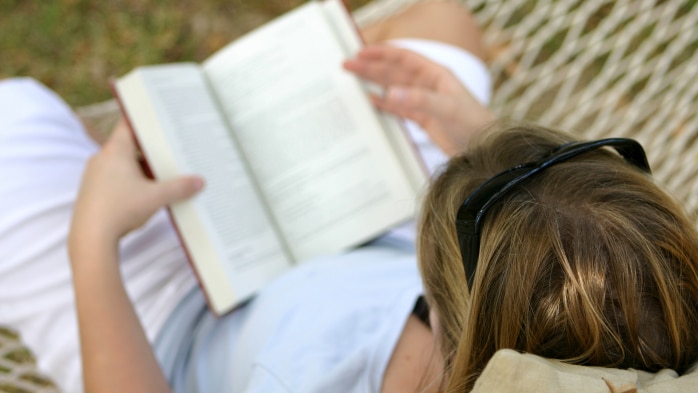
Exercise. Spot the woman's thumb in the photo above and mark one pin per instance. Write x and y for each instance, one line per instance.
(179, 189)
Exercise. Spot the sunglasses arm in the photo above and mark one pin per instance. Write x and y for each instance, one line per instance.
(469, 242)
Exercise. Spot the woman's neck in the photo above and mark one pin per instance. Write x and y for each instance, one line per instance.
(414, 365)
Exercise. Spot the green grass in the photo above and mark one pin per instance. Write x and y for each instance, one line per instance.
(75, 46)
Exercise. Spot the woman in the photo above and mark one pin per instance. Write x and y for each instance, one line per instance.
(569, 261)
(586, 261)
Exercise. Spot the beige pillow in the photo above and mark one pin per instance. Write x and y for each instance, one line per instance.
(511, 371)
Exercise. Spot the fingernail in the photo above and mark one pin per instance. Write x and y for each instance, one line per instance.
(198, 183)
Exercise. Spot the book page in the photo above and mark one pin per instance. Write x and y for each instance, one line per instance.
(405, 149)
(226, 223)
(310, 135)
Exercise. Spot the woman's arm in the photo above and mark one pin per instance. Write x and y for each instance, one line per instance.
(115, 198)
(422, 91)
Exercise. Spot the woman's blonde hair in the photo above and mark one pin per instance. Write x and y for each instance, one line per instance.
(588, 262)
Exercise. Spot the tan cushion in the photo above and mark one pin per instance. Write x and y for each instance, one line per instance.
(511, 371)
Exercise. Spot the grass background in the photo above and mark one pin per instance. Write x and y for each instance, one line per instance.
(75, 46)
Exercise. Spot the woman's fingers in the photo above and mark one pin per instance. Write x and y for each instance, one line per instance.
(416, 104)
(439, 115)
(121, 136)
(386, 65)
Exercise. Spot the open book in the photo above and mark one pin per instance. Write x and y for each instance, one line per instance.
(297, 161)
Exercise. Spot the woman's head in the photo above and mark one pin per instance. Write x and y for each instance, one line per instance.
(587, 262)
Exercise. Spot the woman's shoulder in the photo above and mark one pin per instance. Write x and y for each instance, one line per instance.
(337, 318)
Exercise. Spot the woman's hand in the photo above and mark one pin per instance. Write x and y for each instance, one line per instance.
(116, 197)
(423, 91)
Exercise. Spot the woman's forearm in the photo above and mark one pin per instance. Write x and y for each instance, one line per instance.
(116, 354)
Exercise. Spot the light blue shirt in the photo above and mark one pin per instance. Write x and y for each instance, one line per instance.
(328, 325)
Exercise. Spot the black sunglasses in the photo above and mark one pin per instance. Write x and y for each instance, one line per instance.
(470, 215)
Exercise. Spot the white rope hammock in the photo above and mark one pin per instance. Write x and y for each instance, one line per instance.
(18, 372)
